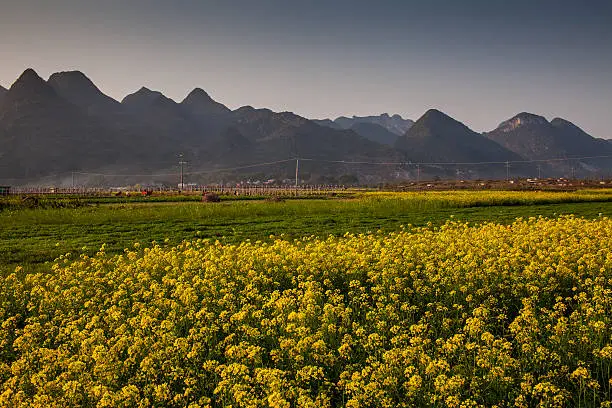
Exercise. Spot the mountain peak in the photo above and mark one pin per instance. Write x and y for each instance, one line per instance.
(29, 74)
(266, 118)
(29, 77)
(571, 134)
(245, 109)
(30, 86)
(560, 122)
(198, 93)
(199, 102)
(146, 91)
(434, 111)
(530, 117)
(435, 115)
(71, 81)
(522, 119)
(70, 75)
(437, 122)
(77, 88)
(144, 96)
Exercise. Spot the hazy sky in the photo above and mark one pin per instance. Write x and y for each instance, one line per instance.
(481, 61)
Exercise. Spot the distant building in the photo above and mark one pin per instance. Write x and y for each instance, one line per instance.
(5, 190)
(187, 186)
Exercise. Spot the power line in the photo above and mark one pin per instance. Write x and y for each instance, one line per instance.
(127, 175)
(357, 162)
(187, 173)
(560, 159)
(418, 165)
(405, 163)
(248, 166)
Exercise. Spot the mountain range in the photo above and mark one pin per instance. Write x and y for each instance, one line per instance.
(50, 129)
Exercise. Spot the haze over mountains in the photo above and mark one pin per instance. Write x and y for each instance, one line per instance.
(49, 129)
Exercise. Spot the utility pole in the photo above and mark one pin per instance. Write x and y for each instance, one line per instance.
(297, 170)
(182, 163)
(73, 180)
(507, 171)
(418, 174)
(539, 171)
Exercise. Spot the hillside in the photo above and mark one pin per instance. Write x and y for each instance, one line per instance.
(436, 137)
(78, 89)
(375, 133)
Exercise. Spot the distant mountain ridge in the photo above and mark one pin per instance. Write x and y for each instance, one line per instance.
(375, 133)
(394, 124)
(382, 129)
(67, 124)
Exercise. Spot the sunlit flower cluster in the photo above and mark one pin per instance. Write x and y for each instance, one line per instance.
(454, 316)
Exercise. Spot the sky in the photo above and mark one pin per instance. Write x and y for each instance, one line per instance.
(480, 61)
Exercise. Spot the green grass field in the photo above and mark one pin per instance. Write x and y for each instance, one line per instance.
(33, 237)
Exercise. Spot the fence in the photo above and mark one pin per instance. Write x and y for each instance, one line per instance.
(274, 190)
(84, 191)
(251, 191)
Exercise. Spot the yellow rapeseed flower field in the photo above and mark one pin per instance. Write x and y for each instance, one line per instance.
(492, 315)
(472, 198)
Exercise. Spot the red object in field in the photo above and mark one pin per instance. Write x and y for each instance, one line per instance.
(146, 192)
